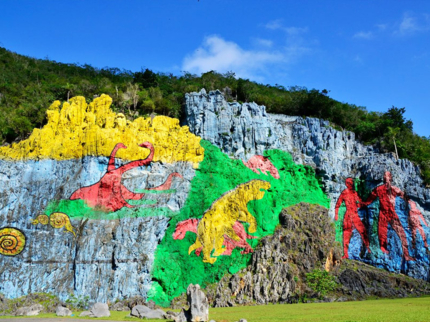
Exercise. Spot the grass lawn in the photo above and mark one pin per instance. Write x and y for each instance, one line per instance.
(392, 310)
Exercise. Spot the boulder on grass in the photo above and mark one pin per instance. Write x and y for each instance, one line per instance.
(63, 311)
(85, 313)
(99, 310)
(29, 310)
(142, 311)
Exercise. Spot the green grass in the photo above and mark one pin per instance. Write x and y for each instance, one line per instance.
(393, 310)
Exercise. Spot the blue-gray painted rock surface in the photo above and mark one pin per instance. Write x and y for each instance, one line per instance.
(109, 259)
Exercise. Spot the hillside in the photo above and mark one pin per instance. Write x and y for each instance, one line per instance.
(28, 86)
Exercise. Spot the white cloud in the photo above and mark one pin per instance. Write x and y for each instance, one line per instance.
(275, 24)
(263, 42)
(290, 31)
(294, 31)
(411, 24)
(382, 26)
(363, 35)
(220, 55)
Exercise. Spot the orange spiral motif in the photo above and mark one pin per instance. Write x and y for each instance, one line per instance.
(58, 220)
(12, 241)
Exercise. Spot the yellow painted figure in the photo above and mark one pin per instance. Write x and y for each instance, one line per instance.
(219, 219)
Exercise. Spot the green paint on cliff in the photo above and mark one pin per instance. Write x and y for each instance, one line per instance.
(78, 209)
(174, 269)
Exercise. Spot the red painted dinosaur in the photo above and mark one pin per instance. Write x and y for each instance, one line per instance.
(109, 193)
(262, 163)
(229, 244)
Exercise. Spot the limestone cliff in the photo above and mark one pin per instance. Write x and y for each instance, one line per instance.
(94, 204)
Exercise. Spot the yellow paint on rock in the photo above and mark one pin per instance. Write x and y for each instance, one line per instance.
(218, 220)
(78, 129)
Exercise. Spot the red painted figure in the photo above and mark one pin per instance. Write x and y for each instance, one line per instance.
(262, 163)
(414, 223)
(387, 215)
(351, 219)
(109, 193)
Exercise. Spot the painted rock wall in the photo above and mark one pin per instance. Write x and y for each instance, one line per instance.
(380, 221)
(93, 204)
(83, 206)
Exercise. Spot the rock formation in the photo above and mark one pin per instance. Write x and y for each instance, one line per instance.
(96, 205)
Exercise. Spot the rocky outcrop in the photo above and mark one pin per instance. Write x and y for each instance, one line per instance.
(198, 304)
(281, 261)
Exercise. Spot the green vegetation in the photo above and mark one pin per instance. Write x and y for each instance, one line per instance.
(321, 282)
(393, 310)
(78, 302)
(28, 86)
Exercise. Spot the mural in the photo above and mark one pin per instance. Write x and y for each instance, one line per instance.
(351, 220)
(258, 162)
(76, 129)
(12, 241)
(229, 208)
(223, 208)
(229, 244)
(109, 194)
(415, 218)
(56, 220)
(387, 208)
(219, 219)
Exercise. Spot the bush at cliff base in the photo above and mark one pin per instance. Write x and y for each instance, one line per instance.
(174, 269)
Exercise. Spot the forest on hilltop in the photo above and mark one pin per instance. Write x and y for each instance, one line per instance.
(28, 86)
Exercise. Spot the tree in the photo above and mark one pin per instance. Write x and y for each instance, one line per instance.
(392, 132)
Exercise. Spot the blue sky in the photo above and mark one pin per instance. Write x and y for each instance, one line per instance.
(369, 53)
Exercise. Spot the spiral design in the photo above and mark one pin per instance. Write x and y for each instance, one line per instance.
(12, 241)
(41, 219)
(58, 220)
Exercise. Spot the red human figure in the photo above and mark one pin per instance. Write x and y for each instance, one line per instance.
(109, 193)
(229, 244)
(351, 219)
(387, 194)
(414, 223)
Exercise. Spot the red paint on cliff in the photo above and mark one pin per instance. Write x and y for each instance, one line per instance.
(229, 244)
(262, 163)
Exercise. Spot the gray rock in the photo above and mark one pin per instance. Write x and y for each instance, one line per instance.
(242, 320)
(63, 311)
(85, 313)
(120, 307)
(212, 321)
(183, 316)
(142, 311)
(29, 310)
(99, 310)
(198, 303)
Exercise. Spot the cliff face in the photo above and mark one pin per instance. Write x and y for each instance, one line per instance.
(243, 130)
(93, 204)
